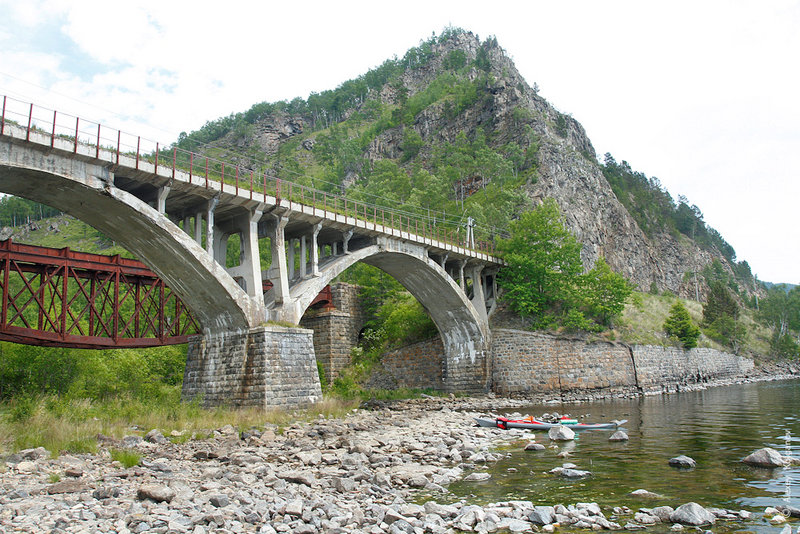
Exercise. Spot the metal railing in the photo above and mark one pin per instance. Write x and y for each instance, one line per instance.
(110, 144)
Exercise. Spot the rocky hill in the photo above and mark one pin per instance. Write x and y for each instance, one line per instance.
(453, 127)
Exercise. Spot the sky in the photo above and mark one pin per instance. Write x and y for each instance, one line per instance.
(705, 96)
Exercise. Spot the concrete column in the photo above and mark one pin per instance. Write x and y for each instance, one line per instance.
(187, 222)
(303, 257)
(335, 248)
(219, 251)
(461, 280)
(315, 250)
(278, 272)
(443, 260)
(348, 235)
(210, 207)
(161, 203)
(198, 227)
(292, 245)
(249, 268)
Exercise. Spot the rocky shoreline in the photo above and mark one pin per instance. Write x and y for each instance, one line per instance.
(362, 473)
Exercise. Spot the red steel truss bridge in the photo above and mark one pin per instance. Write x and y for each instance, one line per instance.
(58, 297)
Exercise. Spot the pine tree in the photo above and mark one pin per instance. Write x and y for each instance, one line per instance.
(680, 325)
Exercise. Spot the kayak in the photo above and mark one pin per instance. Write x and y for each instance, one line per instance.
(534, 424)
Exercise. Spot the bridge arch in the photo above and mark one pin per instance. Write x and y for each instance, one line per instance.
(86, 191)
(463, 328)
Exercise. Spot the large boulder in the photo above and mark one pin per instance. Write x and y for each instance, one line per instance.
(766, 457)
(692, 514)
(561, 433)
(682, 461)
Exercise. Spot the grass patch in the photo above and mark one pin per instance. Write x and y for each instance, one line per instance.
(126, 457)
(642, 323)
(63, 425)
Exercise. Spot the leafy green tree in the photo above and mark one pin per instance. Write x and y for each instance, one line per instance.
(780, 310)
(543, 261)
(604, 293)
(680, 326)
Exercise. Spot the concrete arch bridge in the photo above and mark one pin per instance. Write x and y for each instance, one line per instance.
(177, 211)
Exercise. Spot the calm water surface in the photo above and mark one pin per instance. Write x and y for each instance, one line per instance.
(716, 427)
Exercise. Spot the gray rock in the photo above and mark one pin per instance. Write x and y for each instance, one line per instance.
(130, 442)
(561, 433)
(344, 485)
(294, 508)
(789, 511)
(67, 486)
(683, 462)
(619, 435)
(766, 457)
(692, 514)
(646, 519)
(663, 513)
(299, 477)
(155, 492)
(219, 500)
(106, 492)
(155, 436)
(477, 477)
(575, 473)
(533, 446)
(645, 494)
(542, 515)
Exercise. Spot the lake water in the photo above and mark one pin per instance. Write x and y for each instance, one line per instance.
(717, 427)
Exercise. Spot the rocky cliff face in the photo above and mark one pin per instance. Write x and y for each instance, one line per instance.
(567, 166)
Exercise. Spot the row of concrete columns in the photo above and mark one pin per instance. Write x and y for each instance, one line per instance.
(305, 251)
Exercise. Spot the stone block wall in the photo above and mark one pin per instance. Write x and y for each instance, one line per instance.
(660, 366)
(527, 362)
(270, 367)
(336, 331)
(416, 366)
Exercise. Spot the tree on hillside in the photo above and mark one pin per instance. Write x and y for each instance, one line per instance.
(720, 302)
(780, 310)
(679, 325)
(605, 293)
(544, 275)
(543, 261)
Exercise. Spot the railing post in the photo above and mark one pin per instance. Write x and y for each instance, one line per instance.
(53, 135)
(119, 140)
(206, 172)
(97, 145)
(237, 180)
(138, 146)
(174, 160)
(155, 167)
(77, 130)
(191, 165)
(3, 126)
(30, 118)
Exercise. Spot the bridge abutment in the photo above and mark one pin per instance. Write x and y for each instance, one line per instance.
(267, 366)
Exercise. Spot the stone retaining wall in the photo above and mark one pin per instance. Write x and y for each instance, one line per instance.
(269, 366)
(659, 366)
(524, 362)
(416, 366)
(527, 362)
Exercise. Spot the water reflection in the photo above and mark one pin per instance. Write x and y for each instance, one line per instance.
(716, 427)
